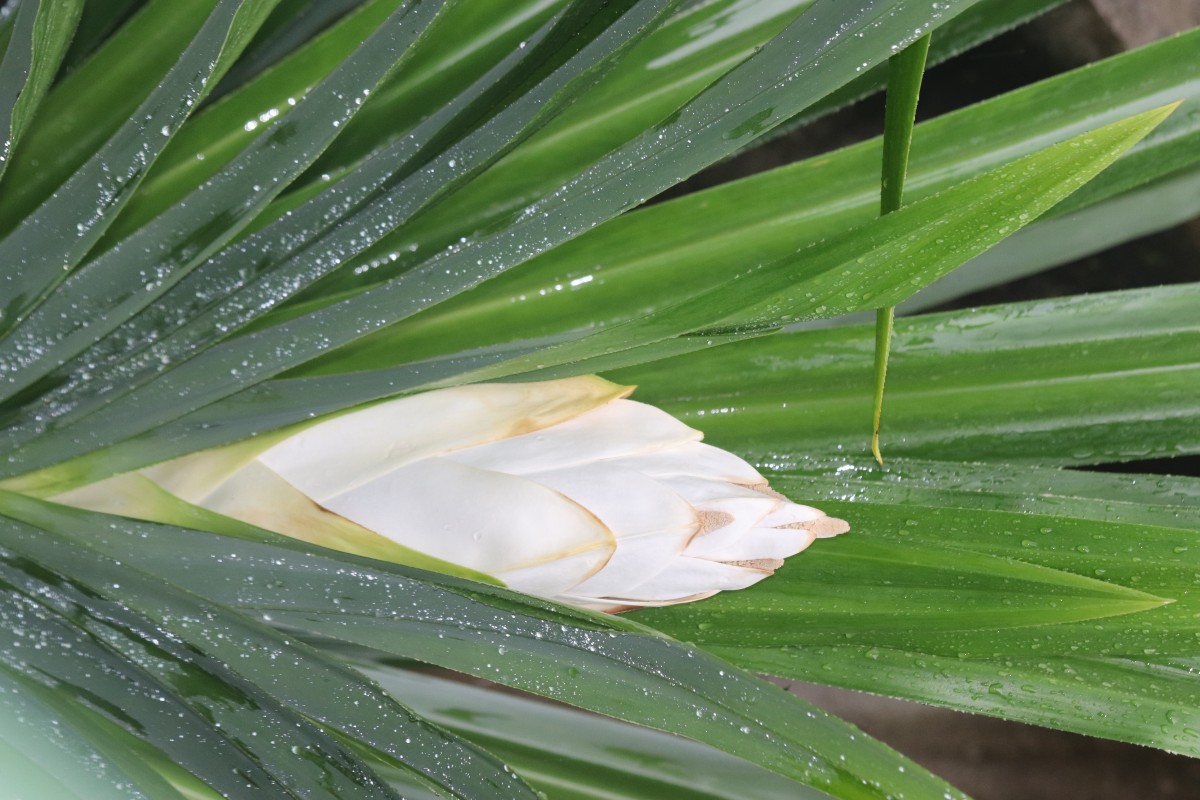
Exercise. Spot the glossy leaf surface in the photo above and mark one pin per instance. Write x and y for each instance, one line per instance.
(1123, 676)
(597, 662)
(1081, 380)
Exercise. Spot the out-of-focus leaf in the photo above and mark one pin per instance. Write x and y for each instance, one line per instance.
(573, 755)
(289, 28)
(1081, 380)
(598, 662)
(98, 21)
(51, 748)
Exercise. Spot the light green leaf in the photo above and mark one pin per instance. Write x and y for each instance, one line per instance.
(1121, 677)
(1065, 237)
(1082, 380)
(51, 748)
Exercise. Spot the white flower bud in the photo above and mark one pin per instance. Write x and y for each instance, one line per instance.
(561, 488)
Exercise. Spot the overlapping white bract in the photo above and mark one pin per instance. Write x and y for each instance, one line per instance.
(561, 488)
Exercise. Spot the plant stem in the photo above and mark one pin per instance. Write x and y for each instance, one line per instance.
(905, 70)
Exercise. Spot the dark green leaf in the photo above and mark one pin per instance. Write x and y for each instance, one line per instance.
(269, 687)
(133, 274)
(36, 256)
(598, 662)
(42, 31)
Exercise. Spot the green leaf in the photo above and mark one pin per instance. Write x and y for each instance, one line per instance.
(594, 661)
(878, 263)
(905, 71)
(288, 262)
(1157, 500)
(1120, 676)
(255, 685)
(1061, 238)
(611, 274)
(216, 134)
(112, 287)
(42, 31)
(36, 256)
(1082, 380)
(89, 105)
(572, 755)
(50, 747)
(605, 188)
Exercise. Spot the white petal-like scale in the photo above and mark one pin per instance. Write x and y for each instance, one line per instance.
(651, 524)
(485, 520)
(355, 448)
(686, 577)
(621, 429)
(696, 459)
(560, 488)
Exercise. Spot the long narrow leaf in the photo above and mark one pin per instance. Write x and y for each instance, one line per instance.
(99, 96)
(281, 675)
(42, 31)
(38, 254)
(403, 198)
(1084, 380)
(109, 289)
(597, 662)
(656, 159)
(613, 273)
(1124, 677)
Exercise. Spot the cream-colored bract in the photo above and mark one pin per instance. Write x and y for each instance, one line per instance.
(562, 488)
